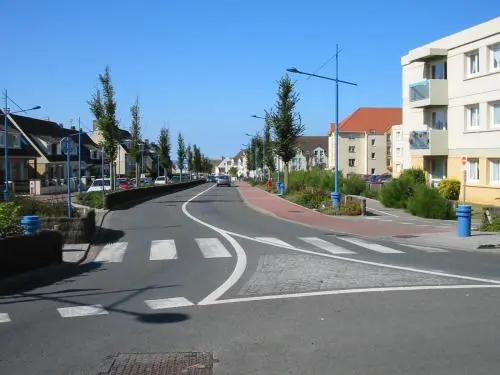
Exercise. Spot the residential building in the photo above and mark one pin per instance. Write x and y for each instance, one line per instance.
(224, 165)
(364, 141)
(397, 149)
(451, 109)
(312, 151)
(240, 161)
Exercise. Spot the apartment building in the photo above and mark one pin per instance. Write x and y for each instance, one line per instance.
(365, 141)
(312, 151)
(451, 109)
(397, 148)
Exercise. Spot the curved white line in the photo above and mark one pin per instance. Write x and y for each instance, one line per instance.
(241, 257)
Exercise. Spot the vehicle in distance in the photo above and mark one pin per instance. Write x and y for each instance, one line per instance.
(124, 183)
(100, 184)
(211, 179)
(161, 180)
(223, 181)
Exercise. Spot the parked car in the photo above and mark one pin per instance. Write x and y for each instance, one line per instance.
(100, 184)
(161, 180)
(223, 181)
(124, 183)
(211, 179)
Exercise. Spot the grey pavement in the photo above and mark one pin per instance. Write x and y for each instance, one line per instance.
(264, 296)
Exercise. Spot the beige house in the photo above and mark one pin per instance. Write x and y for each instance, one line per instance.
(125, 163)
(312, 151)
(451, 109)
(364, 141)
(397, 149)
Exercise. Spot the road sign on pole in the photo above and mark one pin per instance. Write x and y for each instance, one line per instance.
(463, 162)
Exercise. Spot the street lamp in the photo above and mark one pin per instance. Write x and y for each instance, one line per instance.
(263, 147)
(6, 112)
(336, 193)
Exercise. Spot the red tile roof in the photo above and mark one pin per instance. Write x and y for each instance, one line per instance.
(365, 119)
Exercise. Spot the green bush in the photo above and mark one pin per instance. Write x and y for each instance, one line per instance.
(353, 185)
(493, 227)
(417, 176)
(10, 214)
(310, 197)
(428, 202)
(43, 208)
(395, 193)
(371, 193)
(449, 189)
(91, 199)
(352, 208)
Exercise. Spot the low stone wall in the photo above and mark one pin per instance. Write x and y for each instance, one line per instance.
(25, 253)
(74, 229)
(361, 201)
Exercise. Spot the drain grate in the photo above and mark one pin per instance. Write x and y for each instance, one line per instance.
(185, 363)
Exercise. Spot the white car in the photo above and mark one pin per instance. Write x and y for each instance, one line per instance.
(161, 180)
(99, 185)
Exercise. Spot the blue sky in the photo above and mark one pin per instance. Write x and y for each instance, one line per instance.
(203, 67)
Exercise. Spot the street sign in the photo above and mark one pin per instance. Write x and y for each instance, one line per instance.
(463, 162)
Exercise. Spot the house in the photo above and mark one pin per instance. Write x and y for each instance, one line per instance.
(312, 151)
(451, 110)
(224, 165)
(48, 138)
(240, 161)
(364, 141)
(397, 147)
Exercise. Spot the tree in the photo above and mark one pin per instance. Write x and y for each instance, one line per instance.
(253, 155)
(286, 122)
(190, 157)
(164, 144)
(249, 158)
(269, 147)
(206, 164)
(233, 171)
(259, 150)
(198, 160)
(181, 153)
(135, 131)
(104, 110)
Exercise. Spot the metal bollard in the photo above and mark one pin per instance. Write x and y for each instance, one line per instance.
(464, 216)
(30, 224)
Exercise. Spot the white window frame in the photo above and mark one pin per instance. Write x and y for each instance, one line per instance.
(399, 135)
(492, 107)
(492, 50)
(373, 155)
(473, 172)
(353, 162)
(372, 141)
(473, 55)
(373, 171)
(469, 111)
(399, 151)
(494, 163)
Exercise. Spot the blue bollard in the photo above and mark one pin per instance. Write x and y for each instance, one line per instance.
(464, 216)
(278, 186)
(282, 188)
(335, 199)
(30, 224)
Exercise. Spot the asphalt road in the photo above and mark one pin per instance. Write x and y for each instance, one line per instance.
(198, 271)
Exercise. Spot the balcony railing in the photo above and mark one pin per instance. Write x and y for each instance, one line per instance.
(430, 92)
(429, 142)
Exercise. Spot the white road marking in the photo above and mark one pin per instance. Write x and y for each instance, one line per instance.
(4, 318)
(168, 303)
(383, 265)
(371, 246)
(241, 257)
(212, 248)
(74, 311)
(351, 291)
(371, 218)
(382, 212)
(163, 250)
(428, 249)
(405, 222)
(112, 253)
(274, 241)
(386, 220)
(325, 245)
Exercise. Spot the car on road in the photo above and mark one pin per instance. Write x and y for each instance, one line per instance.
(223, 181)
(161, 180)
(124, 183)
(100, 184)
(211, 179)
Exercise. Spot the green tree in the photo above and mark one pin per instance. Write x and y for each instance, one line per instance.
(190, 157)
(104, 110)
(233, 171)
(249, 158)
(198, 159)
(286, 123)
(269, 146)
(181, 153)
(259, 150)
(135, 131)
(165, 148)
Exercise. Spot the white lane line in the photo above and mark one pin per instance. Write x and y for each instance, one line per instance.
(325, 245)
(407, 223)
(352, 291)
(168, 303)
(163, 250)
(371, 218)
(76, 311)
(4, 318)
(112, 253)
(428, 249)
(423, 225)
(212, 248)
(383, 265)
(241, 257)
(386, 220)
(382, 212)
(371, 246)
(274, 241)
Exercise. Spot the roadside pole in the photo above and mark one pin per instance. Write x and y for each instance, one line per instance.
(463, 162)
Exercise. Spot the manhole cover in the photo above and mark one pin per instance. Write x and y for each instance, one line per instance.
(184, 363)
(405, 236)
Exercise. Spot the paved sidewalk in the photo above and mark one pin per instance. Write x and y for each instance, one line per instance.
(272, 204)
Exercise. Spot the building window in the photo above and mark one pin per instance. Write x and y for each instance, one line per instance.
(438, 70)
(495, 57)
(17, 141)
(352, 149)
(473, 170)
(495, 171)
(439, 119)
(398, 151)
(399, 136)
(473, 63)
(373, 141)
(373, 171)
(495, 115)
(398, 168)
(352, 162)
(473, 116)
(373, 155)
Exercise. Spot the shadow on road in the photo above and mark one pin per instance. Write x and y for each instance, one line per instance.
(107, 235)
(162, 318)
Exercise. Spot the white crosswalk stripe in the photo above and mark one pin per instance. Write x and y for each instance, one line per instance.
(212, 248)
(325, 245)
(163, 250)
(274, 240)
(428, 249)
(4, 318)
(77, 311)
(112, 253)
(168, 303)
(371, 246)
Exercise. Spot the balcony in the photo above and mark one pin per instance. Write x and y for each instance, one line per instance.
(429, 142)
(431, 92)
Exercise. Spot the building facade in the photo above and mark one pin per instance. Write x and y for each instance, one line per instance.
(451, 109)
(312, 151)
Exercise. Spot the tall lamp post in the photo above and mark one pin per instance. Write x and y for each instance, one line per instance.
(336, 193)
(6, 113)
(263, 147)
